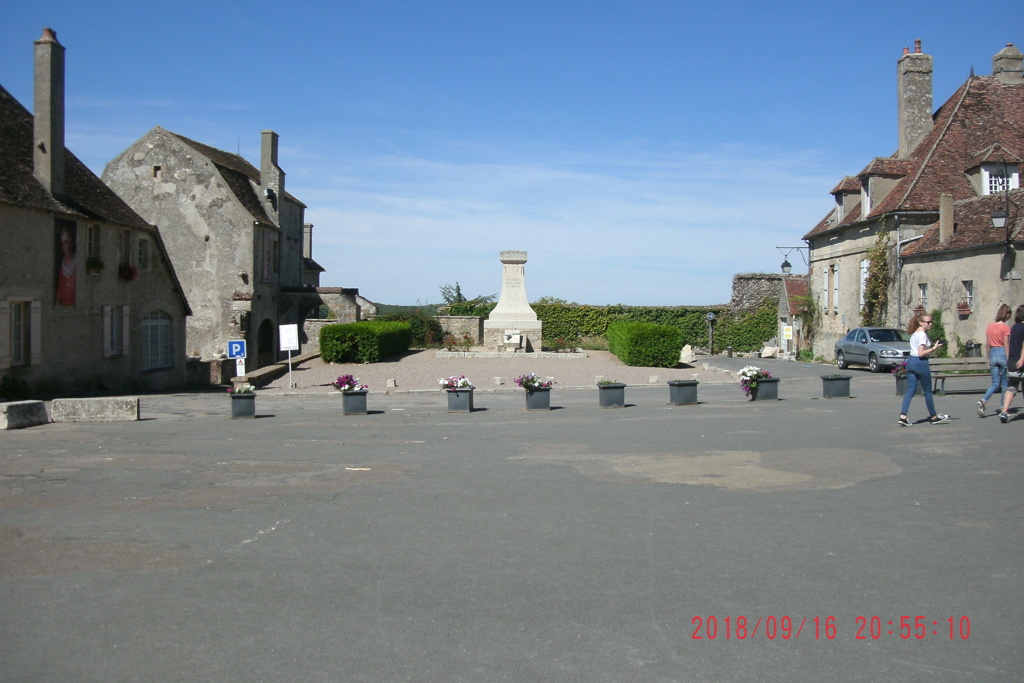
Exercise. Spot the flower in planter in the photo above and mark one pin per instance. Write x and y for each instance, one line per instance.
(459, 382)
(127, 272)
(348, 383)
(242, 389)
(750, 376)
(531, 382)
(899, 371)
(603, 382)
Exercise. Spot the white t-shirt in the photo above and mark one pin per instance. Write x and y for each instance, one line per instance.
(917, 340)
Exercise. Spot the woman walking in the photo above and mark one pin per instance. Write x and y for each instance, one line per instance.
(918, 371)
(1014, 363)
(996, 335)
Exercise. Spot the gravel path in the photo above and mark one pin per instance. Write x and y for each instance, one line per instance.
(420, 370)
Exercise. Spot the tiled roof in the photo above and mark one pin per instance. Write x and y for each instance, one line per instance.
(847, 184)
(796, 286)
(981, 114)
(972, 219)
(86, 195)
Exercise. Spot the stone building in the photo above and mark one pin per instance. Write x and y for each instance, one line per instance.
(236, 236)
(88, 297)
(968, 151)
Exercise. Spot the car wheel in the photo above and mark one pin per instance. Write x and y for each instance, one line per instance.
(840, 360)
(873, 363)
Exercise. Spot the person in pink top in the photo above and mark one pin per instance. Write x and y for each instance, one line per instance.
(996, 335)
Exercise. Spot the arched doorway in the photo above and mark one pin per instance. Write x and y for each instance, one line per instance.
(265, 347)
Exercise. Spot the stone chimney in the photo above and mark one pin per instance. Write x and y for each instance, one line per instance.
(1008, 65)
(946, 217)
(307, 240)
(271, 175)
(48, 144)
(914, 92)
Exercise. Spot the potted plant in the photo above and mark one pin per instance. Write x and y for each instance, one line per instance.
(94, 265)
(899, 371)
(682, 392)
(835, 386)
(353, 395)
(963, 307)
(127, 272)
(243, 401)
(611, 394)
(460, 393)
(759, 384)
(538, 391)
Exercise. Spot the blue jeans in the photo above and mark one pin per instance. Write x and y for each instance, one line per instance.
(918, 372)
(997, 364)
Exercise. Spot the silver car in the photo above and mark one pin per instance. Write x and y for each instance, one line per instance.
(875, 347)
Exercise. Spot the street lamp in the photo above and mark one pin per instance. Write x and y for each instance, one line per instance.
(787, 267)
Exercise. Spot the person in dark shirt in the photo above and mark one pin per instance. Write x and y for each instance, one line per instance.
(1014, 363)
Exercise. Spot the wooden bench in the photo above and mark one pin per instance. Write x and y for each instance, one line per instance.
(945, 368)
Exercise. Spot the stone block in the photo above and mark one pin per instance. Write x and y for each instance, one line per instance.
(102, 409)
(687, 356)
(20, 414)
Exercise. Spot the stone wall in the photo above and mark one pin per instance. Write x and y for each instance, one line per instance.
(458, 325)
(749, 290)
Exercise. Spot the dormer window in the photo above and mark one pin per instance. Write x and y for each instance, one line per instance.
(996, 178)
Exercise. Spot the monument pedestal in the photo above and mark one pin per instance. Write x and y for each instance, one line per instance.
(513, 326)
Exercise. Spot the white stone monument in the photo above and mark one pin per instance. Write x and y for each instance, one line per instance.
(512, 325)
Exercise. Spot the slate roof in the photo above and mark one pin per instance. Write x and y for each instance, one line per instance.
(87, 197)
(972, 219)
(980, 114)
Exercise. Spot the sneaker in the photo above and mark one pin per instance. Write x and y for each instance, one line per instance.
(1004, 418)
(903, 421)
(939, 419)
(981, 409)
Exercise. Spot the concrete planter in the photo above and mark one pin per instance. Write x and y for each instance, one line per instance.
(611, 395)
(901, 387)
(539, 399)
(354, 402)
(766, 390)
(243, 406)
(460, 400)
(682, 392)
(835, 386)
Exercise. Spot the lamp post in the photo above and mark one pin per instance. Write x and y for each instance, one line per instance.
(787, 267)
(999, 217)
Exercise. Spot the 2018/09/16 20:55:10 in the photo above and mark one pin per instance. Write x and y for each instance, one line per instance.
(786, 627)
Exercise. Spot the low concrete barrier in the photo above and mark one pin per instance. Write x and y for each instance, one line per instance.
(102, 409)
(19, 414)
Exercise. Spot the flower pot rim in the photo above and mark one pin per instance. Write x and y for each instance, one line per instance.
(827, 377)
(611, 385)
(678, 382)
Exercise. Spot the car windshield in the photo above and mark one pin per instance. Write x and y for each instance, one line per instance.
(889, 336)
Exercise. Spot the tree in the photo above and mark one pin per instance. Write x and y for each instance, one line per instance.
(452, 295)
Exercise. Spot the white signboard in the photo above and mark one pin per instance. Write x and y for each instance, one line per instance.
(289, 337)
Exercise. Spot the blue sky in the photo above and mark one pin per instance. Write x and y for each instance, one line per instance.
(641, 151)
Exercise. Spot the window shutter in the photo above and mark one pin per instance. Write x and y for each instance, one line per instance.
(124, 330)
(5, 334)
(835, 289)
(824, 288)
(108, 331)
(36, 334)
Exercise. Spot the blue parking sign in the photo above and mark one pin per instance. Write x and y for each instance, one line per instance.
(236, 348)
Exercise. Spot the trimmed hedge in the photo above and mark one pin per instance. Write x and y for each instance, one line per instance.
(645, 344)
(364, 342)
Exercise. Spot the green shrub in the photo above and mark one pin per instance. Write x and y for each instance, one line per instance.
(364, 342)
(426, 330)
(936, 332)
(645, 344)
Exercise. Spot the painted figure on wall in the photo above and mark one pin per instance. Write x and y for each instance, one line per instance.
(67, 263)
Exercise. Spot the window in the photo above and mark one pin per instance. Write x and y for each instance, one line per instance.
(922, 294)
(156, 341)
(124, 248)
(865, 267)
(998, 178)
(115, 331)
(968, 291)
(157, 172)
(143, 260)
(92, 234)
(20, 332)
